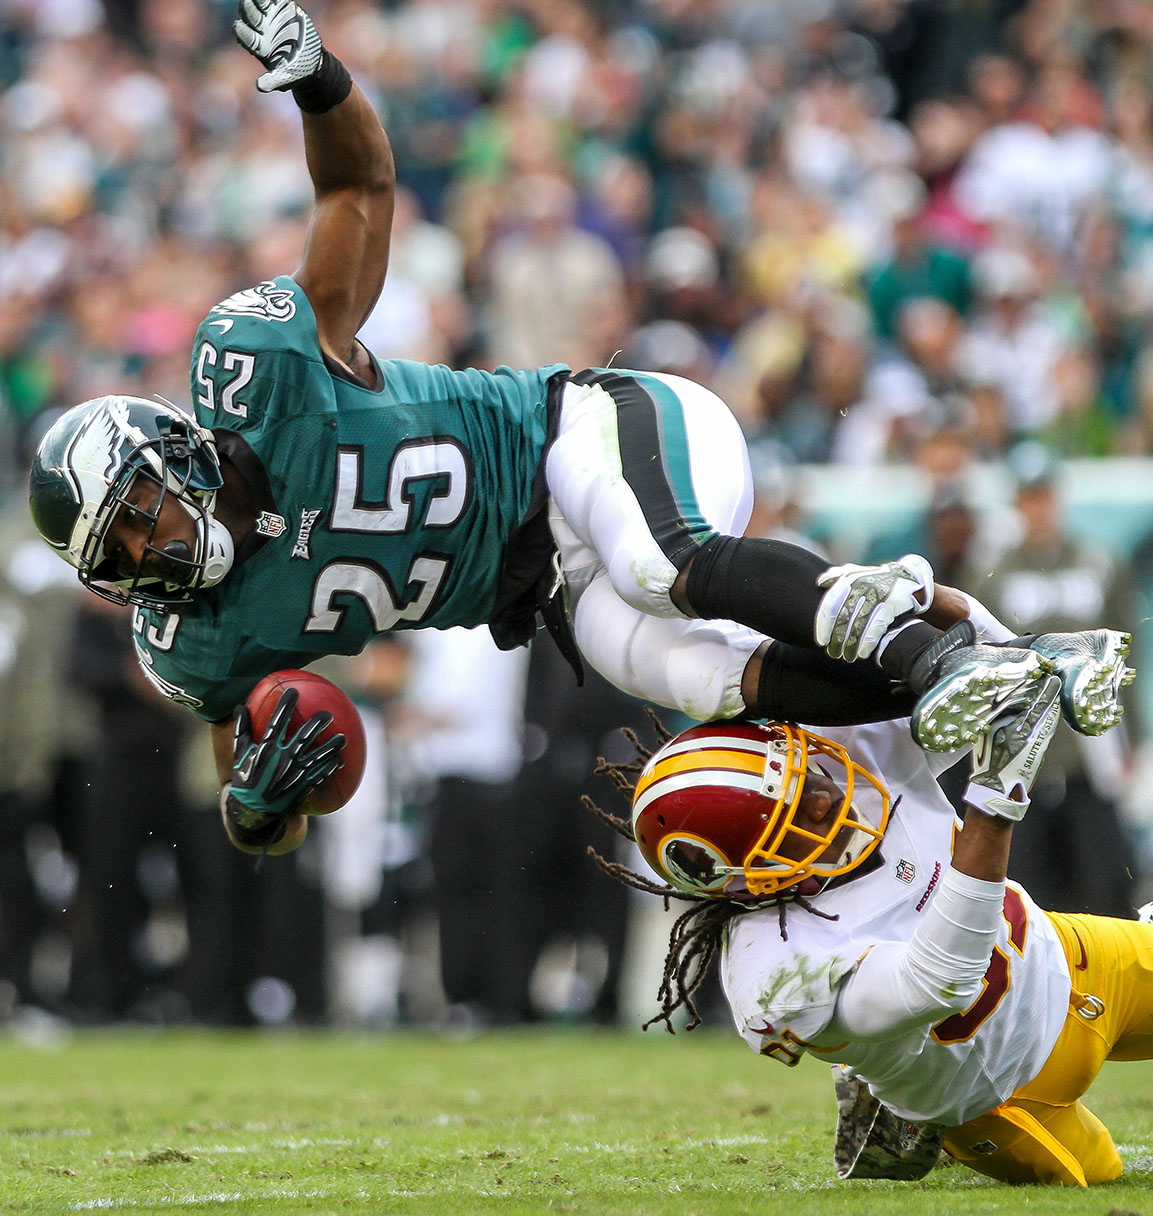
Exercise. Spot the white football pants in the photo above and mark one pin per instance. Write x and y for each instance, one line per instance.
(644, 469)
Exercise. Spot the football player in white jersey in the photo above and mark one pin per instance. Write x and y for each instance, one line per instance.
(857, 919)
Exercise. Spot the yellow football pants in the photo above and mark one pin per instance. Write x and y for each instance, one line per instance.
(1044, 1133)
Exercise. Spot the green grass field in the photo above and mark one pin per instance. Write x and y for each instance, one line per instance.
(530, 1122)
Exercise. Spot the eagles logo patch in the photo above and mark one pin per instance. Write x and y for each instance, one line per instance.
(266, 300)
(308, 520)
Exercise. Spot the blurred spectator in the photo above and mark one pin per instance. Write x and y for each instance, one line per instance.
(943, 131)
(998, 82)
(1013, 342)
(1075, 853)
(463, 726)
(566, 936)
(1130, 191)
(127, 825)
(670, 347)
(929, 331)
(619, 208)
(800, 248)
(836, 139)
(776, 512)
(421, 313)
(917, 268)
(46, 734)
(806, 374)
(557, 291)
(948, 533)
(925, 49)
(683, 281)
(1035, 174)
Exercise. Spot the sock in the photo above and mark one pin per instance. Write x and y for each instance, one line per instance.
(768, 585)
(771, 586)
(799, 685)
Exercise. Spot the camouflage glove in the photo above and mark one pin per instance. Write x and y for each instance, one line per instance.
(1007, 757)
(872, 1142)
(281, 35)
(861, 603)
(272, 773)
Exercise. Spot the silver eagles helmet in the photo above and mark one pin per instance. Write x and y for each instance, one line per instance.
(84, 468)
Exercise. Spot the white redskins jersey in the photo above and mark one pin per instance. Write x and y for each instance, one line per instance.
(957, 1065)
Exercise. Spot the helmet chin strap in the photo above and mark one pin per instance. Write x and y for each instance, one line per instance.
(216, 551)
(219, 551)
(854, 845)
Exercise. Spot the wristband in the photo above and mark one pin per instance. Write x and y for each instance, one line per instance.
(250, 828)
(326, 88)
(993, 802)
(989, 628)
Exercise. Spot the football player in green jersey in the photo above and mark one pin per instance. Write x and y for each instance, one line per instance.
(319, 497)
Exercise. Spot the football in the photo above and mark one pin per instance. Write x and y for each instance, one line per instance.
(316, 694)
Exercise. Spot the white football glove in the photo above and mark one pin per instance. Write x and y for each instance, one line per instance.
(861, 603)
(281, 35)
(1007, 757)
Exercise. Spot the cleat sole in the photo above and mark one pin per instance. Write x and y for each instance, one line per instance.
(959, 709)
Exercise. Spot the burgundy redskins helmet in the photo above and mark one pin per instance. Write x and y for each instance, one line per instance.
(714, 811)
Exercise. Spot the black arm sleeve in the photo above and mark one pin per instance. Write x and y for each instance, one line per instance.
(801, 685)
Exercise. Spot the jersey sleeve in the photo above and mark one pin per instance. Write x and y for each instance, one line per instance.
(201, 667)
(257, 360)
(781, 998)
(939, 970)
(213, 700)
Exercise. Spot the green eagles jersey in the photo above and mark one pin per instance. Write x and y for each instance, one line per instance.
(390, 507)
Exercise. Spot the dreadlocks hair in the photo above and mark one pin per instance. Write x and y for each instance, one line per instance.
(698, 933)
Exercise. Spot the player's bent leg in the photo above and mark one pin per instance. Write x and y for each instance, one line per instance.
(1079, 1129)
(693, 666)
(644, 470)
(1113, 961)
(1044, 1133)
(1029, 1142)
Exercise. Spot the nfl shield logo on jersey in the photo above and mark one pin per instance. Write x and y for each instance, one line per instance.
(268, 524)
(906, 871)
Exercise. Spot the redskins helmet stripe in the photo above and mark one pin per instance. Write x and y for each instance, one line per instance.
(701, 777)
(743, 809)
(719, 755)
(769, 759)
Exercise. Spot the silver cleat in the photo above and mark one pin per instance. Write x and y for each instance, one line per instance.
(1093, 671)
(972, 686)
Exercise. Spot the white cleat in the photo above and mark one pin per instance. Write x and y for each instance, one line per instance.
(1093, 671)
(973, 686)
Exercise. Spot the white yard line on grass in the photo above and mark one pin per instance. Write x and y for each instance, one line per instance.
(187, 1201)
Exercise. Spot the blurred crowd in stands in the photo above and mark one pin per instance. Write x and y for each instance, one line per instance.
(913, 232)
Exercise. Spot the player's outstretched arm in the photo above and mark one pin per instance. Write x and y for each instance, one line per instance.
(349, 161)
(941, 968)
